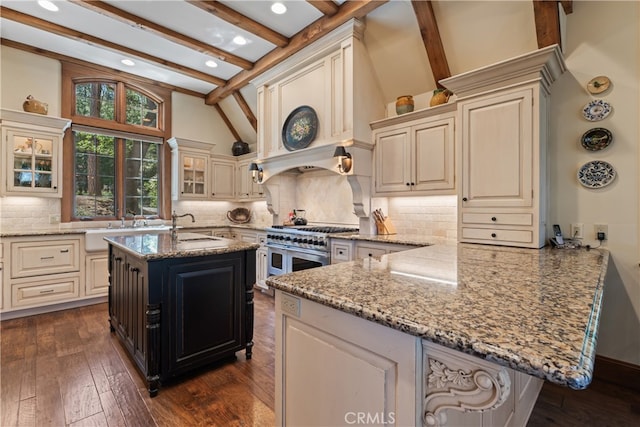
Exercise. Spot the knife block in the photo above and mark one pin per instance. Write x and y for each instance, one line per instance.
(386, 227)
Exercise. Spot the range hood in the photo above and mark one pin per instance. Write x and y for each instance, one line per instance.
(333, 76)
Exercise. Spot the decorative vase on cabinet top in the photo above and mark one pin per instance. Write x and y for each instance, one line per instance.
(440, 96)
(404, 104)
(240, 147)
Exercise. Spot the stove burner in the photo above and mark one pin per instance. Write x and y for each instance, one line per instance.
(304, 238)
(316, 228)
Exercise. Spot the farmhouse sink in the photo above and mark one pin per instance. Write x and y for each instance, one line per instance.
(94, 238)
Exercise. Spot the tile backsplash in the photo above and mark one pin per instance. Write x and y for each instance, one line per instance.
(28, 213)
(325, 197)
(424, 216)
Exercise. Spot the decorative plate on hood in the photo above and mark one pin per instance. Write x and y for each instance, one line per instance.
(300, 128)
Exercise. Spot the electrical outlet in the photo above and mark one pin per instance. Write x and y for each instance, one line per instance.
(54, 219)
(290, 305)
(576, 231)
(600, 228)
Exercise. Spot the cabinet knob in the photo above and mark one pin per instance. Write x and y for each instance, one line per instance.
(134, 269)
(493, 235)
(340, 252)
(118, 258)
(55, 187)
(464, 199)
(493, 218)
(408, 184)
(413, 183)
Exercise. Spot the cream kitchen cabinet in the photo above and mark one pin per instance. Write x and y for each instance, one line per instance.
(246, 189)
(223, 173)
(343, 250)
(97, 274)
(253, 236)
(32, 154)
(503, 120)
(262, 262)
(193, 176)
(415, 155)
(43, 270)
(190, 173)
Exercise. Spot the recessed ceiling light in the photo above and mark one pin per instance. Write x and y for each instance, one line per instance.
(46, 4)
(278, 8)
(128, 62)
(211, 63)
(239, 40)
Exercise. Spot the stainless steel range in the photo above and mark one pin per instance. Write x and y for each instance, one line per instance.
(298, 248)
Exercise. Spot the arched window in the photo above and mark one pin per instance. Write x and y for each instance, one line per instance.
(116, 147)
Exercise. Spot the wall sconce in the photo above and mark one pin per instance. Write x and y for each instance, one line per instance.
(344, 159)
(256, 172)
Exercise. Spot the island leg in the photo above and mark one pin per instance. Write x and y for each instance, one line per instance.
(153, 356)
(249, 319)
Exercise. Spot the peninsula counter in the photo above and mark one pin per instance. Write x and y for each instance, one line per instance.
(458, 332)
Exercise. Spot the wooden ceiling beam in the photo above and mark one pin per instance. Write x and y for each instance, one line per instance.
(547, 23)
(567, 5)
(239, 20)
(244, 106)
(431, 39)
(120, 15)
(317, 29)
(91, 40)
(226, 120)
(100, 68)
(327, 7)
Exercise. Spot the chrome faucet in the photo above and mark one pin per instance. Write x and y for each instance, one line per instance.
(174, 219)
(136, 223)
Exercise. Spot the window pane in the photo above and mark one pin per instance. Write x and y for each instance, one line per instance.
(141, 178)
(96, 99)
(94, 175)
(141, 110)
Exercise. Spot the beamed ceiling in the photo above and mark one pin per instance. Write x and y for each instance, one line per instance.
(170, 41)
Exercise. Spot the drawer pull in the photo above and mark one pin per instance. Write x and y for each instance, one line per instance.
(494, 235)
(134, 269)
(118, 258)
(493, 218)
(64, 251)
(48, 291)
(46, 257)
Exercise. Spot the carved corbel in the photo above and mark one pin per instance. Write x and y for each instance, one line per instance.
(461, 383)
(361, 197)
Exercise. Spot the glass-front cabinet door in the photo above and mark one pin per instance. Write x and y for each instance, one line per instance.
(32, 154)
(33, 166)
(194, 176)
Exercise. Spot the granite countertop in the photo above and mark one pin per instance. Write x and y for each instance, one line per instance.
(42, 232)
(536, 311)
(65, 231)
(397, 239)
(159, 246)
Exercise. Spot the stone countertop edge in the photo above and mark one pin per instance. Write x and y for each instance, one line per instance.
(544, 355)
(397, 239)
(59, 232)
(165, 249)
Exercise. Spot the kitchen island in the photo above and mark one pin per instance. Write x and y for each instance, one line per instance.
(462, 334)
(180, 305)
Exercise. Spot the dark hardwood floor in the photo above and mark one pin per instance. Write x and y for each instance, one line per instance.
(66, 369)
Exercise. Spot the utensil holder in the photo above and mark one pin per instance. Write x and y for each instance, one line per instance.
(386, 227)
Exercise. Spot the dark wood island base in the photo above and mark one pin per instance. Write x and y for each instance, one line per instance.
(177, 314)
